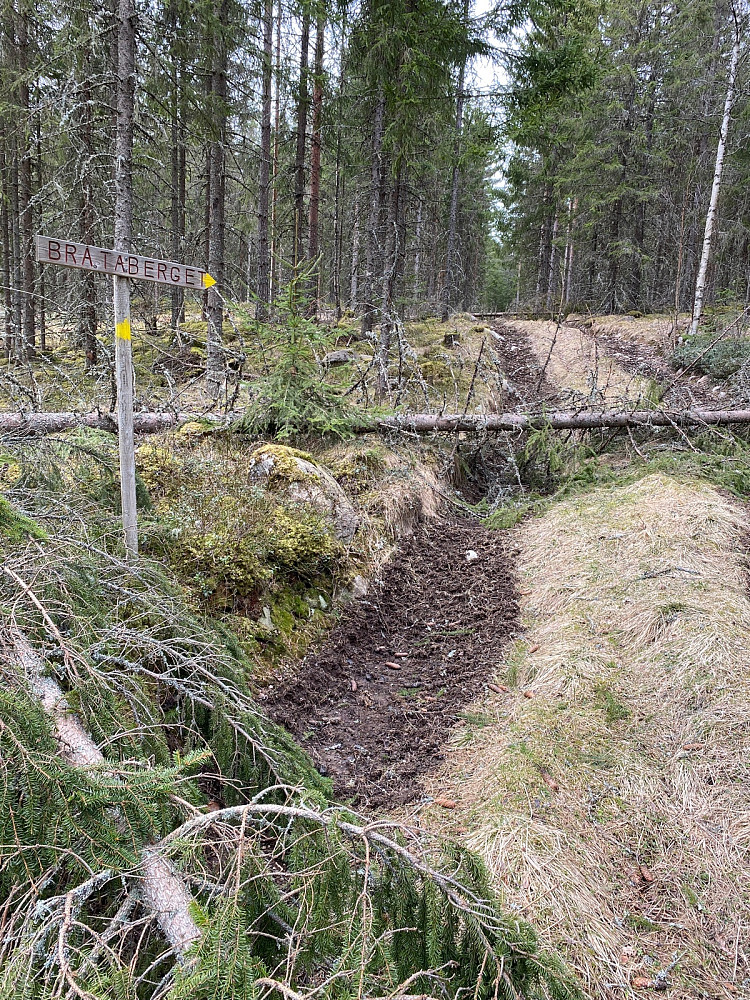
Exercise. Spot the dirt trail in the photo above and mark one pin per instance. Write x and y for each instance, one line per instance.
(613, 805)
(376, 705)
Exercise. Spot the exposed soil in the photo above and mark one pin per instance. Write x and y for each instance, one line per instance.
(529, 386)
(375, 706)
(644, 360)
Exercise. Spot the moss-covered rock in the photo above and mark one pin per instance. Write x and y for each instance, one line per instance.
(294, 475)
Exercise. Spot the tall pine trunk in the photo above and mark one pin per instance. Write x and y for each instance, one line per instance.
(700, 282)
(264, 177)
(274, 180)
(301, 145)
(376, 173)
(25, 187)
(88, 321)
(177, 156)
(216, 220)
(315, 151)
(7, 242)
(449, 288)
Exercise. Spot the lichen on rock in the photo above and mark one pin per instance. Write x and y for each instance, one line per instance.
(295, 474)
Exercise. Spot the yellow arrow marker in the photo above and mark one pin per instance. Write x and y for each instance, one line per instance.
(208, 281)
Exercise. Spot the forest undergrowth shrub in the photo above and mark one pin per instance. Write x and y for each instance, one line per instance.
(551, 466)
(292, 397)
(720, 361)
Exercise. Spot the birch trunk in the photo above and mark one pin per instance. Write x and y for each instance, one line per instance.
(700, 282)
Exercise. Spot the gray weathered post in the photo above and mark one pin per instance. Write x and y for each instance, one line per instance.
(124, 377)
(123, 237)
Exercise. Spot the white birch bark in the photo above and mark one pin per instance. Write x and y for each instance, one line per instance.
(700, 283)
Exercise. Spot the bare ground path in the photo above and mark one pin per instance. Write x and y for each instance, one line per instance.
(375, 706)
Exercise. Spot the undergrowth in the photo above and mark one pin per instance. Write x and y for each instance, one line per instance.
(720, 361)
(554, 465)
(292, 897)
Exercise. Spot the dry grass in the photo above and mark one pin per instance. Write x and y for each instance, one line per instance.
(653, 330)
(574, 362)
(613, 803)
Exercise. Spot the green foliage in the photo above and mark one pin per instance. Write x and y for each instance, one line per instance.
(553, 467)
(293, 399)
(366, 918)
(613, 708)
(722, 360)
(15, 527)
(50, 811)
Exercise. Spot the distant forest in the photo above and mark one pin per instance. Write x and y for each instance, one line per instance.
(351, 148)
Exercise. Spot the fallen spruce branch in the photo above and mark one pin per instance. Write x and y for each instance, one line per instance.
(162, 891)
(39, 424)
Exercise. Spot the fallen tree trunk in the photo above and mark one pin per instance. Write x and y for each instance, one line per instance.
(38, 424)
(425, 423)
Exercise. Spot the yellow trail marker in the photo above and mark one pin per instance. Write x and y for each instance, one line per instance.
(208, 281)
(122, 329)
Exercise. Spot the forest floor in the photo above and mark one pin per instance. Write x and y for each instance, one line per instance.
(573, 703)
(568, 696)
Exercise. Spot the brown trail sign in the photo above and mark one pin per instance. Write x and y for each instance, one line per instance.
(124, 267)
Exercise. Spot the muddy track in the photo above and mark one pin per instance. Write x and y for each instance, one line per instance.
(529, 387)
(376, 705)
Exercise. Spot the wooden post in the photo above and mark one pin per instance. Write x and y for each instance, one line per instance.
(124, 376)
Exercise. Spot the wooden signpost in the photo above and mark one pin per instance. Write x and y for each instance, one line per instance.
(124, 267)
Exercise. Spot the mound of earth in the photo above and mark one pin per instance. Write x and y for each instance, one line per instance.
(375, 706)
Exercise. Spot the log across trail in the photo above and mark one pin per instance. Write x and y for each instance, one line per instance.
(38, 424)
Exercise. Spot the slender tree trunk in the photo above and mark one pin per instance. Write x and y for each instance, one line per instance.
(391, 271)
(354, 277)
(215, 353)
(26, 231)
(339, 192)
(418, 251)
(552, 276)
(569, 251)
(17, 281)
(315, 150)
(376, 173)
(700, 283)
(450, 257)
(177, 205)
(274, 184)
(301, 145)
(41, 300)
(264, 177)
(87, 323)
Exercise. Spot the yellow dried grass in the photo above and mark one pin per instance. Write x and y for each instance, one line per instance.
(574, 362)
(634, 749)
